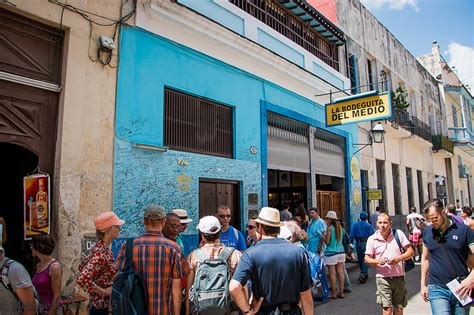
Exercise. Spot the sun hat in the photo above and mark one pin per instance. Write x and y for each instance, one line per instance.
(363, 215)
(331, 215)
(155, 212)
(269, 216)
(209, 225)
(106, 220)
(183, 215)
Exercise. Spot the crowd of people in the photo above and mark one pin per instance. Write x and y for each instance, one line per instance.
(279, 267)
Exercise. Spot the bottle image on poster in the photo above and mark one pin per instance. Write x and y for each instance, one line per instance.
(37, 204)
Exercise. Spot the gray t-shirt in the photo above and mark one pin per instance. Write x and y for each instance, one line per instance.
(18, 277)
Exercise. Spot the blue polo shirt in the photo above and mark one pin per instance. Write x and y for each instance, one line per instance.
(456, 242)
(279, 271)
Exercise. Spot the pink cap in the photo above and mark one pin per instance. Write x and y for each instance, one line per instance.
(106, 220)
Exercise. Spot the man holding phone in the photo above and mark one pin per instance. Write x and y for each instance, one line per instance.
(447, 248)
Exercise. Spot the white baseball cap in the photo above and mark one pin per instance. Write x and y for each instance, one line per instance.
(209, 225)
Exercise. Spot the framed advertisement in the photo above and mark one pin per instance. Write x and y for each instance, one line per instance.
(36, 205)
(284, 178)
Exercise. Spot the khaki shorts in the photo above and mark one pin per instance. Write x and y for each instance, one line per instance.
(391, 292)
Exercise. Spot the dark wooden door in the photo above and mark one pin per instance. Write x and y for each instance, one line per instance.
(330, 200)
(213, 193)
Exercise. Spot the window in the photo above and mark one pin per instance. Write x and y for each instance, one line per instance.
(380, 166)
(396, 189)
(409, 175)
(370, 71)
(197, 125)
(455, 116)
(353, 74)
(421, 200)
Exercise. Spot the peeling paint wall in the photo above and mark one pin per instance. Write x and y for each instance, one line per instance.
(84, 149)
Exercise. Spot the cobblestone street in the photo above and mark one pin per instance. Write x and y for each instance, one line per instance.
(362, 298)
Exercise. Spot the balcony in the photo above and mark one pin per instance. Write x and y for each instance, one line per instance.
(442, 143)
(463, 139)
(463, 171)
(411, 123)
(301, 24)
(460, 135)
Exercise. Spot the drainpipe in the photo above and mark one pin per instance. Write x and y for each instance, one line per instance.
(462, 111)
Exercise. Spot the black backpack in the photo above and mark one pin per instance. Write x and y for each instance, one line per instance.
(129, 295)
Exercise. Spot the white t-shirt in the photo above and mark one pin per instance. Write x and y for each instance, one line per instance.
(412, 217)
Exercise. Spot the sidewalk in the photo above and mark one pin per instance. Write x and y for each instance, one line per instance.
(362, 298)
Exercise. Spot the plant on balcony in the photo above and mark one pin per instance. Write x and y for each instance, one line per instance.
(399, 99)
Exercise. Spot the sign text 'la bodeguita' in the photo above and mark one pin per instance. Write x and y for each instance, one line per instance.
(361, 109)
(355, 109)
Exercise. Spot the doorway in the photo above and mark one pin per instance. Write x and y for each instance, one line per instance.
(17, 162)
(214, 192)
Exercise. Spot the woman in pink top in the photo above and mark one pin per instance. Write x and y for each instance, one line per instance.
(47, 279)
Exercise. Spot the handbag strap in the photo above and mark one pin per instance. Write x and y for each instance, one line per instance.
(395, 234)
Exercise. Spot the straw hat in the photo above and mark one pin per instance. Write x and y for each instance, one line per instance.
(331, 215)
(183, 215)
(269, 216)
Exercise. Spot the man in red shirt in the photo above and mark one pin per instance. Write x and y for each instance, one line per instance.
(160, 262)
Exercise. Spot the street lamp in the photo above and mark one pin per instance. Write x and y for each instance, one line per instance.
(377, 133)
(376, 136)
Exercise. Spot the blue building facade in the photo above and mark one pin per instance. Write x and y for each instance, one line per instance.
(149, 64)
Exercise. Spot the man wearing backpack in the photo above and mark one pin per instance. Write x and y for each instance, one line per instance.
(160, 262)
(16, 289)
(279, 272)
(230, 236)
(212, 261)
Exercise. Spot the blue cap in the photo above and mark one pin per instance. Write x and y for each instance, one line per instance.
(363, 215)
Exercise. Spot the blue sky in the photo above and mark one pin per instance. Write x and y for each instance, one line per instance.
(416, 23)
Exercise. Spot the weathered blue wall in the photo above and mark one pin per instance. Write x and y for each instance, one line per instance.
(148, 63)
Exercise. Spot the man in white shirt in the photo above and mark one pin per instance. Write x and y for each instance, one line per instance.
(413, 221)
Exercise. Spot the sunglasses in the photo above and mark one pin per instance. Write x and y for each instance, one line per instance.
(225, 216)
(251, 227)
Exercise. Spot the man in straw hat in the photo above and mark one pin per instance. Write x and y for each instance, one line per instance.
(184, 221)
(278, 270)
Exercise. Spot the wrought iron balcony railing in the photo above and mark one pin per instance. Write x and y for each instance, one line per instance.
(442, 143)
(411, 123)
(273, 14)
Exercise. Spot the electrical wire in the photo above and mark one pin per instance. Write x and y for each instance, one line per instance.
(101, 51)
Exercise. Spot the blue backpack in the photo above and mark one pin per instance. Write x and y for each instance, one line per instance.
(129, 295)
(320, 287)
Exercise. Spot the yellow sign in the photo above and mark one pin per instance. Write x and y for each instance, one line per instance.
(362, 107)
(355, 169)
(374, 194)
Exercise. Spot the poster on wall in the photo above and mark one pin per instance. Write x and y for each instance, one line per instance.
(37, 205)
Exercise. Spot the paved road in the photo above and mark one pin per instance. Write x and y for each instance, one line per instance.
(362, 298)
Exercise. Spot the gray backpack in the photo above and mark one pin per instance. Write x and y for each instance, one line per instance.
(210, 290)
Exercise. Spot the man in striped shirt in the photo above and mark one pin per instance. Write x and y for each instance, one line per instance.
(160, 262)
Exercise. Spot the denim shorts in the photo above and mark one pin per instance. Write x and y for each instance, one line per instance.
(443, 302)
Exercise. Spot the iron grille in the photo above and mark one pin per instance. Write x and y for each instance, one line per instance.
(285, 129)
(329, 142)
(409, 175)
(286, 23)
(198, 125)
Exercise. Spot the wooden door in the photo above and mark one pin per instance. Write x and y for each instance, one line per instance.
(330, 200)
(213, 193)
